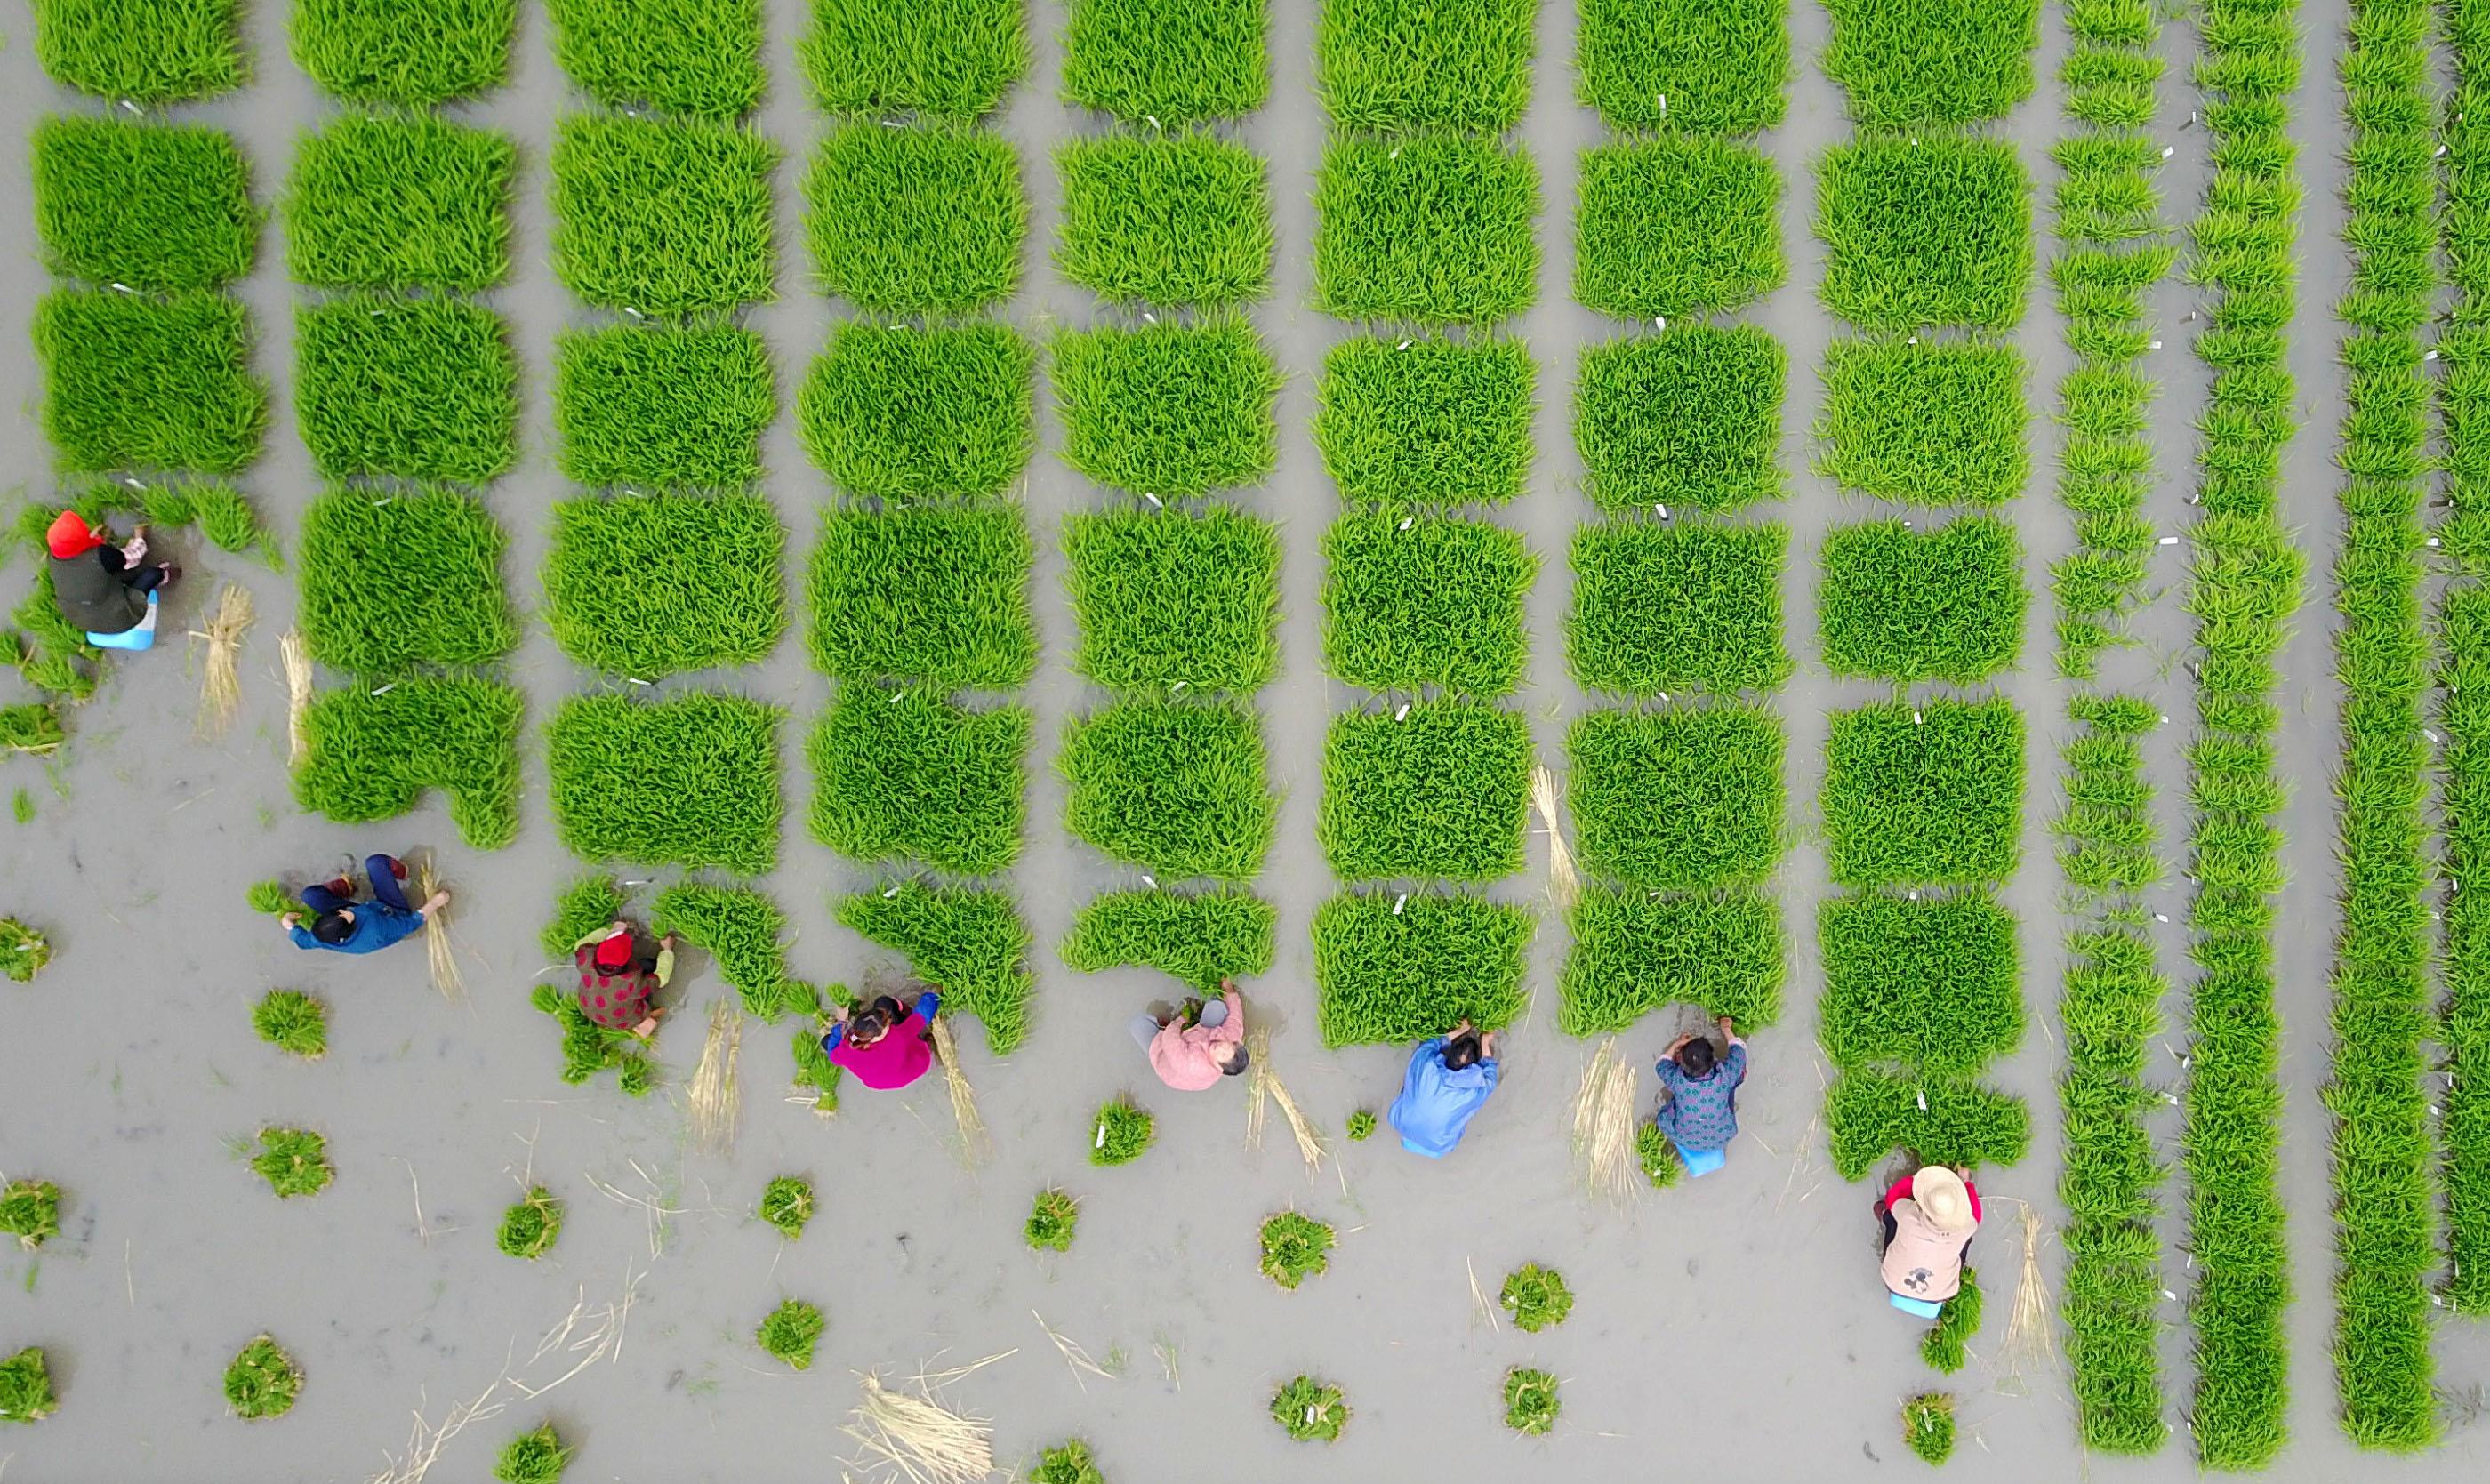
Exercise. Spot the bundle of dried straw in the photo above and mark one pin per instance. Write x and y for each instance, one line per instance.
(439, 954)
(1603, 1125)
(975, 1148)
(715, 1097)
(221, 678)
(926, 1443)
(297, 656)
(1564, 882)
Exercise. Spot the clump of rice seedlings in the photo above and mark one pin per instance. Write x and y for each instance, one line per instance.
(1925, 795)
(1068, 1464)
(149, 381)
(1706, 67)
(161, 53)
(1173, 785)
(1392, 968)
(1166, 65)
(589, 902)
(816, 1076)
(294, 1161)
(1435, 789)
(1427, 422)
(1295, 1247)
(746, 933)
(1120, 1133)
(1635, 951)
(30, 1210)
(906, 774)
(1658, 1157)
(23, 951)
(21, 805)
(1943, 1348)
(1935, 1120)
(1169, 409)
(272, 898)
(937, 594)
(530, 1226)
(30, 729)
(263, 1380)
(971, 942)
(389, 202)
(1664, 607)
(1167, 599)
(1928, 1426)
(1691, 417)
(369, 755)
(220, 674)
(1155, 218)
(423, 388)
(691, 780)
(1933, 984)
(1905, 62)
(662, 218)
(26, 1386)
(1676, 226)
(929, 219)
(153, 206)
(1884, 402)
(1536, 1298)
(952, 61)
(1310, 1410)
(1925, 231)
(588, 1048)
(357, 556)
(787, 1204)
(1051, 1220)
(652, 585)
(677, 407)
(1530, 1403)
(1678, 799)
(1361, 1125)
(1381, 64)
(404, 51)
(896, 412)
(292, 1022)
(533, 1458)
(1434, 228)
(789, 1331)
(1422, 602)
(1199, 938)
(692, 61)
(1906, 604)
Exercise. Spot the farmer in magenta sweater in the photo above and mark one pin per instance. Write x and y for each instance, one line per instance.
(1192, 1049)
(886, 1044)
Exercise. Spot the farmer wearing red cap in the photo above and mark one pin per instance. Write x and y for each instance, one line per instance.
(102, 588)
(617, 984)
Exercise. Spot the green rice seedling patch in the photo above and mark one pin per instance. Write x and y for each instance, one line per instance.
(1164, 599)
(388, 202)
(1933, 983)
(270, 898)
(263, 1380)
(370, 756)
(692, 780)
(1438, 790)
(950, 58)
(934, 594)
(30, 1210)
(1662, 1168)
(1635, 952)
(1924, 795)
(1906, 605)
(675, 407)
(648, 585)
(1391, 968)
(536, 1457)
(1671, 606)
(1925, 231)
(294, 1161)
(1198, 938)
(149, 206)
(1676, 226)
(787, 1204)
(1407, 64)
(696, 59)
(1690, 417)
(1147, 62)
(1535, 1297)
(1361, 1126)
(1707, 66)
(22, 803)
(925, 219)
(33, 728)
(135, 382)
(1944, 1347)
(530, 1226)
(1165, 220)
(1310, 1410)
(1907, 62)
(1069, 1464)
(1432, 228)
(588, 1048)
(1928, 1426)
(746, 933)
(1295, 1247)
(1176, 787)
(26, 1387)
(1530, 1404)
(589, 902)
(898, 412)
(292, 1022)
(1426, 421)
(427, 389)
(166, 52)
(1671, 801)
(1926, 424)
(662, 218)
(906, 774)
(403, 580)
(973, 943)
(1876, 1113)
(1121, 1134)
(404, 51)
(790, 1330)
(1424, 601)
(1167, 409)
(23, 951)
(1052, 1220)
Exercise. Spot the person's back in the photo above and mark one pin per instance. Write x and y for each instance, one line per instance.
(884, 1045)
(1701, 1114)
(1929, 1219)
(89, 594)
(1447, 1081)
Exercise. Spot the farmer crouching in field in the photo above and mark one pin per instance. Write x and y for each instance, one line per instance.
(617, 984)
(105, 590)
(1928, 1221)
(343, 925)
(886, 1044)
(1698, 1110)
(1448, 1081)
(1198, 1044)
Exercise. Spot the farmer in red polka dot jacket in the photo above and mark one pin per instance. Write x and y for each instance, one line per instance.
(618, 984)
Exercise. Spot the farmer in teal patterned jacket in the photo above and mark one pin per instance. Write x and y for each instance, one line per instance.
(1700, 1111)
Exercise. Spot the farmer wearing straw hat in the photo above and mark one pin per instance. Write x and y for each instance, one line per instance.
(886, 1044)
(1928, 1221)
(1198, 1044)
(1448, 1081)
(342, 924)
(103, 588)
(617, 984)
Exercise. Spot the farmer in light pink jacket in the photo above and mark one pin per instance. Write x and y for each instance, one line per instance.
(1198, 1044)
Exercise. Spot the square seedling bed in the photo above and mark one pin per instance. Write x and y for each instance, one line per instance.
(1426, 601)
(149, 383)
(897, 413)
(1933, 230)
(1673, 226)
(1635, 951)
(644, 586)
(1434, 790)
(161, 53)
(926, 219)
(662, 218)
(1148, 61)
(671, 408)
(1389, 969)
(1928, 424)
(691, 58)
(403, 580)
(1174, 787)
(400, 202)
(404, 51)
(936, 594)
(148, 206)
(974, 943)
(1164, 599)
(1199, 937)
(427, 389)
(951, 58)
(370, 755)
(1692, 417)
(1708, 66)
(907, 776)
(1410, 64)
(1663, 606)
(1930, 986)
(1430, 228)
(1427, 421)
(1165, 220)
(1905, 605)
(687, 781)
(1167, 409)
(1940, 1121)
(1677, 799)
(1906, 61)
(1924, 795)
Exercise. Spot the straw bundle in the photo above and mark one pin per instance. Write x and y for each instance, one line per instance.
(974, 1146)
(1263, 1083)
(716, 1097)
(297, 694)
(438, 950)
(220, 680)
(1603, 1125)
(2031, 1345)
(1564, 882)
(928, 1444)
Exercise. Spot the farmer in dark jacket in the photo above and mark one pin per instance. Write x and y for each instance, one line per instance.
(345, 926)
(103, 589)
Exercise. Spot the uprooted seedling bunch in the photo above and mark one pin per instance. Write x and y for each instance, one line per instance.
(1069, 1464)
(1051, 1220)
(787, 1204)
(292, 1022)
(1295, 1248)
(1119, 1134)
(294, 1161)
(790, 1330)
(30, 1210)
(534, 1458)
(1310, 1410)
(1529, 1399)
(1536, 1298)
(1928, 1425)
(25, 1386)
(23, 951)
(263, 1380)
(530, 1226)
(1361, 1125)
(1944, 1345)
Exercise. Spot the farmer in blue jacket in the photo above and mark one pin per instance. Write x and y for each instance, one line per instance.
(341, 924)
(1449, 1078)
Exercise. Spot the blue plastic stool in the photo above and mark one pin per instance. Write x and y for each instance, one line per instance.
(141, 637)
(1703, 1163)
(1918, 1308)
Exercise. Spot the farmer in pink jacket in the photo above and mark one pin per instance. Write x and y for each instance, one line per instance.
(1200, 1043)
(886, 1044)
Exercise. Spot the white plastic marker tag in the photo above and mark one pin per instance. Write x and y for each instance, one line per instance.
(1395, 153)
(1664, 695)
(2161, 917)
(133, 483)
(887, 895)
(386, 689)
(2167, 151)
(1923, 1095)
(2426, 732)
(1399, 902)
(125, 288)
(1156, 503)
(1149, 318)
(2167, 541)
(1147, 880)
(1914, 339)
(1100, 1142)
(1153, 118)
(2156, 345)
(2432, 541)
(628, 681)
(634, 313)
(1659, 322)
(1664, 103)
(1405, 345)
(1406, 521)
(2167, 1293)
(2172, 1098)
(132, 108)
(2429, 355)
(1179, 685)
(1663, 511)
(1402, 715)
(1918, 719)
